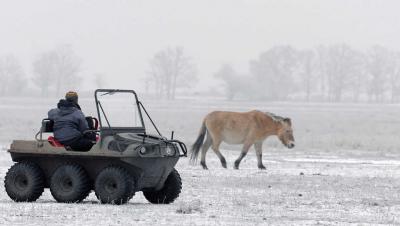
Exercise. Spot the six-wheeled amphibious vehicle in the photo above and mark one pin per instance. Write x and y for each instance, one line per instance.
(125, 159)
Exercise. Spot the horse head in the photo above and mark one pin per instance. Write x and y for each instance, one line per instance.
(285, 133)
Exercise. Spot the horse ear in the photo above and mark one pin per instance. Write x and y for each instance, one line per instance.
(287, 120)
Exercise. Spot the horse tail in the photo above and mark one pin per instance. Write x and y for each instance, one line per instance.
(198, 143)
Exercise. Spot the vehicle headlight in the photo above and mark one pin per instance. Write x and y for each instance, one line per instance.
(170, 151)
(142, 150)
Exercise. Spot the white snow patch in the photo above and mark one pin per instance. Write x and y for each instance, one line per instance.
(348, 161)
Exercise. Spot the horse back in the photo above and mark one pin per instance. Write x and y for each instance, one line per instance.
(235, 127)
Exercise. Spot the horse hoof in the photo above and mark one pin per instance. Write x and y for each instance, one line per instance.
(236, 167)
(203, 164)
(262, 168)
(204, 167)
(224, 165)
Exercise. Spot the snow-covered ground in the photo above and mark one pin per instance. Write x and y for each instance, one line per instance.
(345, 169)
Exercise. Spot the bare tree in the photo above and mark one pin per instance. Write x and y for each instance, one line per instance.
(320, 70)
(378, 66)
(307, 60)
(231, 81)
(274, 72)
(340, 65)
(394, 76)
(170, 69)
(44, 76)
(358, 75)
(67, 66)
(58, 68)
(12, 76)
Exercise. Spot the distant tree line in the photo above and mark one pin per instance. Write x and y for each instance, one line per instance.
(58, 70)
(53, 72)
(326, 73)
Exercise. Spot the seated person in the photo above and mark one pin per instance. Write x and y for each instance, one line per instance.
(70, 124)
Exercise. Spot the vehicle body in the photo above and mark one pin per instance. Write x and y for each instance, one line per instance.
(124, 160)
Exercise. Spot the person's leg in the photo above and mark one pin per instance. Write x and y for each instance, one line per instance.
(82, 144)
(90, 136)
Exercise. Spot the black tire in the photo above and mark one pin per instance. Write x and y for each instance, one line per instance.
(70, 184)
(114, 185)
(170, 191)
(24, 182)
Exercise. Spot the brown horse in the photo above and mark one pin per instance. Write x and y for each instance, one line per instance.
(247, 128)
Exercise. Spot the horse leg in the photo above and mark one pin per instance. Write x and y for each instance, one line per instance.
(258, 147)
(245, 149)
(215, 147)
(204, 150)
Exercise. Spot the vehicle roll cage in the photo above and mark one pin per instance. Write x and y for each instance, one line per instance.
(140, 107)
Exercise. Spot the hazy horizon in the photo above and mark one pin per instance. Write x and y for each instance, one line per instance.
(118, 38)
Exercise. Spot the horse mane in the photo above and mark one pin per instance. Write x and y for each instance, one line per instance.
(275, 118)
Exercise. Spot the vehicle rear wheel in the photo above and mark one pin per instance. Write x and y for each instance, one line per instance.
(70, 183)
(170, 191)
(24, 182)
(114, 185)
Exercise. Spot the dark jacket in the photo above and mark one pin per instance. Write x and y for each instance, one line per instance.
(69, 121)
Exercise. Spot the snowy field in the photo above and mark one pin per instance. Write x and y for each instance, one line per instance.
(344, 170)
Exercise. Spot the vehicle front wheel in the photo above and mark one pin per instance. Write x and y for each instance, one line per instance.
(24, 182)
(169, 192)
(114, 185)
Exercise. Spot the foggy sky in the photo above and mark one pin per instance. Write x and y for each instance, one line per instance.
(117, 38)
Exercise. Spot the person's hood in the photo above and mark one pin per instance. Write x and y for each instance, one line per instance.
(66, 107)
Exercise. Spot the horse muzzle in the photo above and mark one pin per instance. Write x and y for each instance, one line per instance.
(290, 145)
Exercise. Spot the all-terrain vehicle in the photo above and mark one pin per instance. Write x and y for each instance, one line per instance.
(125, 159)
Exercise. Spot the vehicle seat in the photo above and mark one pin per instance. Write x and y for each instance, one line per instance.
(54, 142)
(48, 127)
(93, 123)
